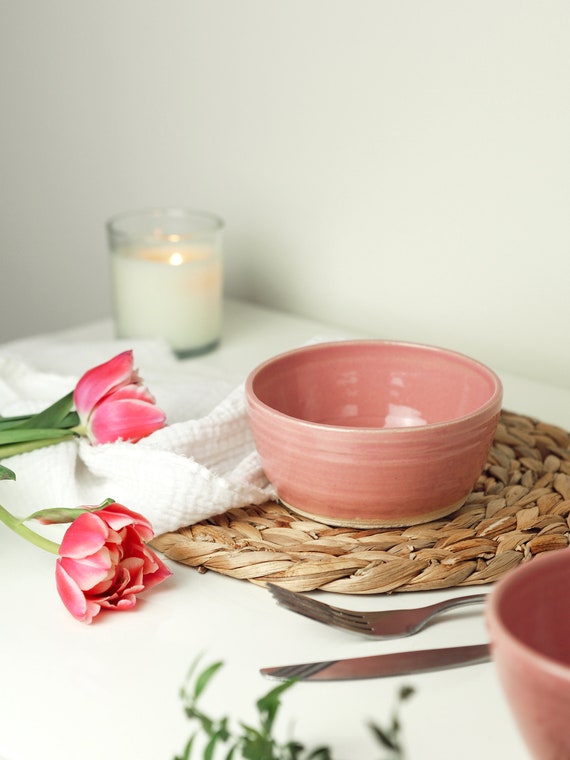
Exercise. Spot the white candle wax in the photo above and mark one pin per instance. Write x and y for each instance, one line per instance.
(168, 291)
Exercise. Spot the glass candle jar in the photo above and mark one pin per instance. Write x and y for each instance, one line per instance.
(166, 277)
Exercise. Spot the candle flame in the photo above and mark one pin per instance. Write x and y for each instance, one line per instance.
(176, 259)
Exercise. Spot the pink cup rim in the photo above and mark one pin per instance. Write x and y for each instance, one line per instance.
(490, 406)
(495, 622)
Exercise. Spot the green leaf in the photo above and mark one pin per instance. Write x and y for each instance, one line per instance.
(406, 692)
(10, 422)
(53, 515)
(21, 435)
(223, 729)
(57, 515)
(268, 705)
(320, 753)
(204, 678)
(6, 474)
(53, 416)
(70, 420)
(211, 747)
(384, 737)
(231, 753)
(187, 749)
(206, 722)
(258, 748)
(12, 449)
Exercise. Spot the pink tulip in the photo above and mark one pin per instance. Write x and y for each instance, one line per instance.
(112, 403)
(104, 562)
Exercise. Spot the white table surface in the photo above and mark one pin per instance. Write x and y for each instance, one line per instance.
(70, 691)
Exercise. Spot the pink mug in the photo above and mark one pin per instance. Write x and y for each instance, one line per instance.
(528, 618)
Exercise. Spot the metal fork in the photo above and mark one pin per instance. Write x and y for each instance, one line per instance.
(381, 625)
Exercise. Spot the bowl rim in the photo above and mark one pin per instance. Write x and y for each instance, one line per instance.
(495, 623)
(488, 408)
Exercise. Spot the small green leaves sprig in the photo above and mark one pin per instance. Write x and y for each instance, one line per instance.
(390, 737)
(258, 742)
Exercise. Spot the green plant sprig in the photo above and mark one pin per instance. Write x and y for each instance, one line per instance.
(391, 737)
(258, 742)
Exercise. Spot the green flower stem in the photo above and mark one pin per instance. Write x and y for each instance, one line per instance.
(22, 530)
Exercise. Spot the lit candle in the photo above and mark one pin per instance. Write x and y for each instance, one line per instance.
(169, 284)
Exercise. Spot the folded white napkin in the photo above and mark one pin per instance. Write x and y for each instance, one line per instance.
(201, 464)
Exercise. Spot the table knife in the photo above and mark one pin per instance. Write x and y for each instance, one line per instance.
(383, 665)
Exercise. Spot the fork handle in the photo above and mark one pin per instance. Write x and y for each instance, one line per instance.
(458, 601)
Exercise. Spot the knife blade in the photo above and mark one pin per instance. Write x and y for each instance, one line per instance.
(383, 665)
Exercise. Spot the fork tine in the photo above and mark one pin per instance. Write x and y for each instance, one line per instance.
(295, 601)
(319, 611)
(315, 610)
(299, 603)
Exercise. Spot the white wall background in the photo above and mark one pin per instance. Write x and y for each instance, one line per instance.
(398, 166)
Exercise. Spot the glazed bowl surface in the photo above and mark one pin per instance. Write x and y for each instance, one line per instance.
(528, 618)
(371, 433)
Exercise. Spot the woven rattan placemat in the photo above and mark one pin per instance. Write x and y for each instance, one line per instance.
(519, 508)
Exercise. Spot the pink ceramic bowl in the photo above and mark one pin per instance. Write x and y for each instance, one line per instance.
(528, 617)
(373, 433)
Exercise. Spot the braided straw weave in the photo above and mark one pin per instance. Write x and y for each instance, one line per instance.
(519, 508)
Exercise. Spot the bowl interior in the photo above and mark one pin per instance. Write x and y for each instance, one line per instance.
(374, 384)
(533, 603)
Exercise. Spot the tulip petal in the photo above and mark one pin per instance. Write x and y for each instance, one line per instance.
(133, 568)
(97, 382)
(73, 598)
(135, 534)
(134, 391)
(126, 419)
(156, 572)
(120, 604)
(117, 517)
(88, 572)
(85, 536)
